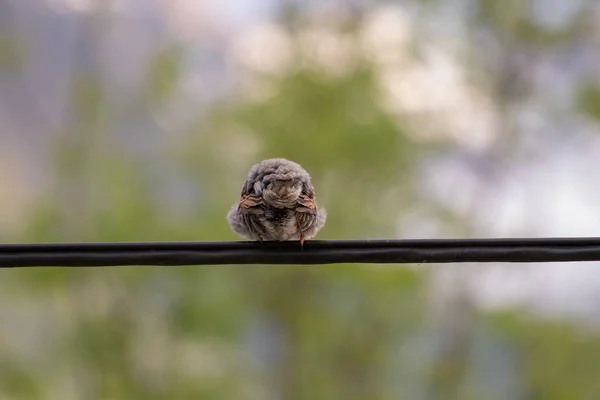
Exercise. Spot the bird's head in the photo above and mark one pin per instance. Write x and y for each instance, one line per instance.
(279, 181)
(282, 192)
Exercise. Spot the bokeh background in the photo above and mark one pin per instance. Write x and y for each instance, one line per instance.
(137, 120)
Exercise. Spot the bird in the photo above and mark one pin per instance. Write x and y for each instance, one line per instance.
(277, 203)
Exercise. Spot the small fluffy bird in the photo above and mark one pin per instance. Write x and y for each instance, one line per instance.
(277, 203)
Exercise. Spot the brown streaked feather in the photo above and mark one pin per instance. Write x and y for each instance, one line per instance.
(307, 204)
(250, 201)
(304, 220)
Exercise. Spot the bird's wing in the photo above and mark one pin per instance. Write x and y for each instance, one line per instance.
(306, 204)
(306, 212)
(249, 200)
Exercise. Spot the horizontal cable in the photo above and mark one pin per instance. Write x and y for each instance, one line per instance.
(313, 252)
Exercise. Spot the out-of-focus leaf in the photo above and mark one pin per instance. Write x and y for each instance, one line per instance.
(163, 74)
(589, 101)
(11, 52)
(88, 101)
(17, 381)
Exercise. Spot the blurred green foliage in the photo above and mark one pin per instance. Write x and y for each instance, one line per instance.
(556, 358)
(163, 74)
(589, 101)
(264, 332)
(10, 52)
(514, 20)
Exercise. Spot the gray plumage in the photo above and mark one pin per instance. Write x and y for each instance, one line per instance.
(278, 203)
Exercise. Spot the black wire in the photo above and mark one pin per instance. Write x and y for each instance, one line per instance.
(313, 252)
